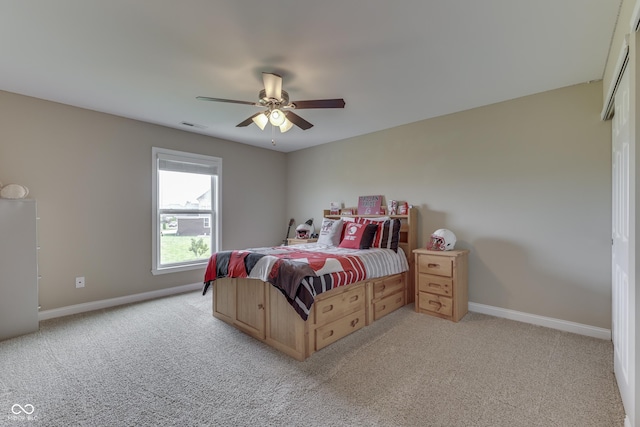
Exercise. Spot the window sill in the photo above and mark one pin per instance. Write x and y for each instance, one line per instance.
(179, 268)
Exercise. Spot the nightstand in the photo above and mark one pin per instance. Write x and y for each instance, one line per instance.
(294, 241)
(441, 283)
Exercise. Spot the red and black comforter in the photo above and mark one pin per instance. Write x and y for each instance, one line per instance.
(303, 271)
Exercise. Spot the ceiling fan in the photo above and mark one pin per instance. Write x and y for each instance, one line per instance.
(279, 110)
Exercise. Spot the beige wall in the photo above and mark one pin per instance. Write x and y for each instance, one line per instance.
(524, 184)
(91, 175)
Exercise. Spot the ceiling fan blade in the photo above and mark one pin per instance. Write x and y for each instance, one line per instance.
(248, 121)
(272, 85)
(298, 121)
(319, 103)
(231, 101)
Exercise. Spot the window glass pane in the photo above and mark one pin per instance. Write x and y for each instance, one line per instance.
(186, 197)
(181, 190)
(185, 238)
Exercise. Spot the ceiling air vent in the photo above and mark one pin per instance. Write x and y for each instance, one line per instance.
(193, 125)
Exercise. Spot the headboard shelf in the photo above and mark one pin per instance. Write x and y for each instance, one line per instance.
(408, 238)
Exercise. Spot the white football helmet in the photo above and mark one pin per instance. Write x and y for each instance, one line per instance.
(442, 240)
(305, 230)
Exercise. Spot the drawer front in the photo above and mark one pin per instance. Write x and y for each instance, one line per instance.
(438, 265)
(332, 332)
(387, 305)
(388, 286)
(335, 307)
(435, 285)
(436, 303)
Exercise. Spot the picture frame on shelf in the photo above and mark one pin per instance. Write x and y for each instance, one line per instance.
(370, 205)
(334, 208)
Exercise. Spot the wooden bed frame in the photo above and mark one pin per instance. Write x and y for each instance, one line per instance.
(260, 310)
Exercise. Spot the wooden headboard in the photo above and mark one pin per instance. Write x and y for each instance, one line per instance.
(408, 240)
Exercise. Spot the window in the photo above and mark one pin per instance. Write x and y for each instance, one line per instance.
(186, 202)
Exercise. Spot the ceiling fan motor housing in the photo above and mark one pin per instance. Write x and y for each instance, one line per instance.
(282, 102)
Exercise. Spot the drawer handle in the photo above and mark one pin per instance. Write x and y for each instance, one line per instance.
(383, 287)
(430, 265)
(327, 334)
(260, 307)
(354, 322)
(436, 304)
(399, 299)
(435, 285)
(353, 298)
(327, 308)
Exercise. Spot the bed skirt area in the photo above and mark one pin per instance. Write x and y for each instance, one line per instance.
(263, 312)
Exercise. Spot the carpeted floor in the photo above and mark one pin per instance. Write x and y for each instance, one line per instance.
(168, 362)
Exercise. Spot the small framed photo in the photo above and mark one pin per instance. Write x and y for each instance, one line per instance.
(334, 208)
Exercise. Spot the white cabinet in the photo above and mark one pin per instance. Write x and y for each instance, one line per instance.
(18, 268)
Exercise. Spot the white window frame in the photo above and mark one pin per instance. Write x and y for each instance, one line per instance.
(216, 188)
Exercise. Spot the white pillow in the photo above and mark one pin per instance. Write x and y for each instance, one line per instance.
(330, 232)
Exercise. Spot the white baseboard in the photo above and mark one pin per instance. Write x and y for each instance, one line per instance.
(112, 302)
(549, 322)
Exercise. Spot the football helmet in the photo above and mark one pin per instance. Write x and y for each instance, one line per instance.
(305, 230)
(442, 240)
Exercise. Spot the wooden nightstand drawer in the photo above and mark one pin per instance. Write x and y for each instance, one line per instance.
(436, 304)
(332, 332)
(438, 265)
(388, 286)
(387, 305)
(435, 284)
(337, 306)
(441, 283)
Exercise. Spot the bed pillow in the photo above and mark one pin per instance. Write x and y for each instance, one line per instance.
(358, 236)
(330, 232)
(347, 219)
(387, 233)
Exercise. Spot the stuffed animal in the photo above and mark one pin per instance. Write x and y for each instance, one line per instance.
(13, 191)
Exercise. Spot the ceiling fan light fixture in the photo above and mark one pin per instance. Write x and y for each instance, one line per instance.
(277, 117)
(261, 120)
(277, 109)
(286, 125)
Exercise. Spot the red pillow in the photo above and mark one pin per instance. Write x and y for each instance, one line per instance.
(358, 236)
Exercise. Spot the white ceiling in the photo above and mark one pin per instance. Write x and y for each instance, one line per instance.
(393, 62)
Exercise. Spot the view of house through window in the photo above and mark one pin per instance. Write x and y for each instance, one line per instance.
(186, 204)
(185, 233)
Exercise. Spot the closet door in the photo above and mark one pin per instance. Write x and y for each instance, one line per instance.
(623, 292)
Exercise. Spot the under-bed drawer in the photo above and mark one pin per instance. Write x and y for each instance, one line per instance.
(387, 305)
(388, 286)
(332, 332)
(334, 307)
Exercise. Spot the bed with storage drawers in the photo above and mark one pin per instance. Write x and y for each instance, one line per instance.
(299, 299)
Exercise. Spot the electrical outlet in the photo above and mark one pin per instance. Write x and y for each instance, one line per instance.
(79, 282)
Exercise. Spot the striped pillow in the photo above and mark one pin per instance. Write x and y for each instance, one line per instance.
(387, 235)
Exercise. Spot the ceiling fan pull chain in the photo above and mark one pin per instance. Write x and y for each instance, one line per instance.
(273, 141)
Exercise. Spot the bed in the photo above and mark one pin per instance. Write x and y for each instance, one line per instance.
(300, 299)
